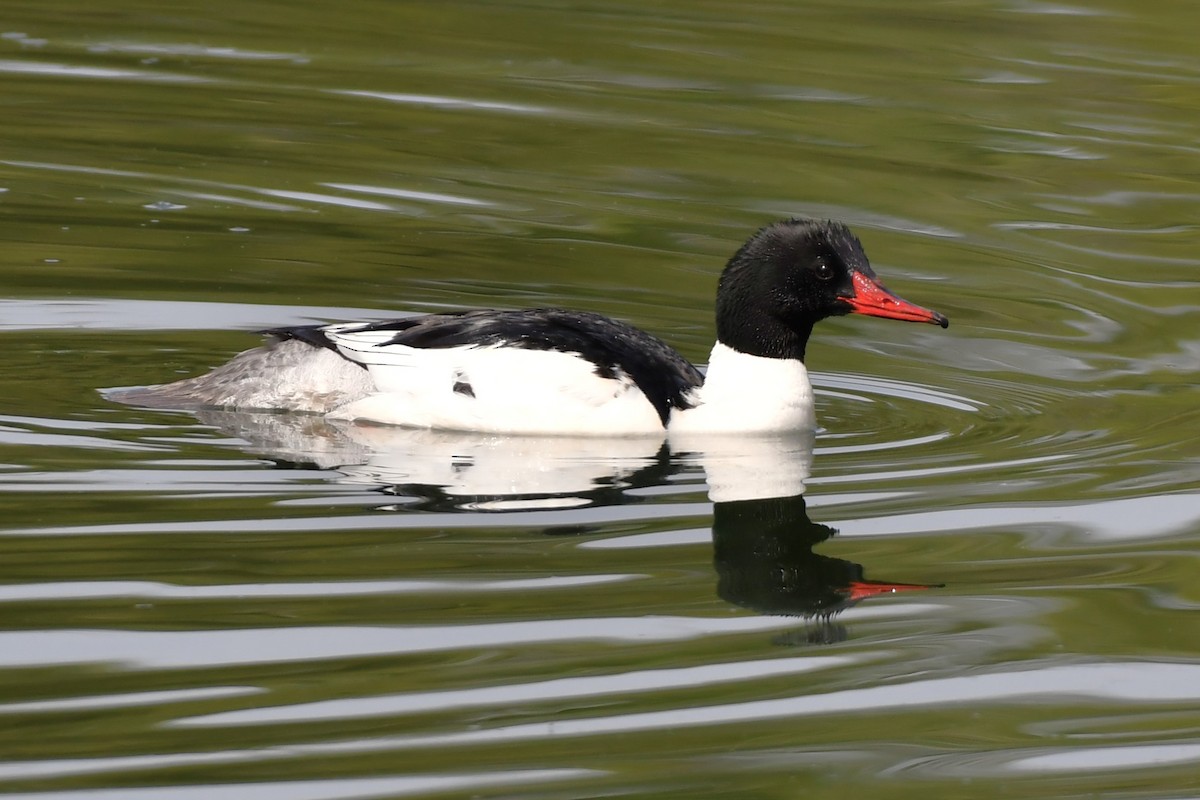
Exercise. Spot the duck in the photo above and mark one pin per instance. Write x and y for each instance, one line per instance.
(548, 371)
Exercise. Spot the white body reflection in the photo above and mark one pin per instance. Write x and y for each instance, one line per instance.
(479, 471)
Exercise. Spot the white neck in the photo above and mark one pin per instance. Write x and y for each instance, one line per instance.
(745, 394)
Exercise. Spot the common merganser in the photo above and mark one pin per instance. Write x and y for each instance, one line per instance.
(552, 371)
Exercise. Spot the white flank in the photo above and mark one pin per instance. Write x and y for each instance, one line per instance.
(749, 394)
(493, 389)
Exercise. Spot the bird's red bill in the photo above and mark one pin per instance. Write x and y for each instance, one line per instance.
(858, 590)
(872, 299)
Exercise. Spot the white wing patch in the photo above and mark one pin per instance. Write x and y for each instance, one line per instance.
(492, 388)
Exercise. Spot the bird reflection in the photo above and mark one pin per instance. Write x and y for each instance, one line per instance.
(763, 539)
(428, 470)
(763, 554)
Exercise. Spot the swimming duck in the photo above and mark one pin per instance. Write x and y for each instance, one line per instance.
(553, 371)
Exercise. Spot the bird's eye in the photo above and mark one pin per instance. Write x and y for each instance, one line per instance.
(823, 271)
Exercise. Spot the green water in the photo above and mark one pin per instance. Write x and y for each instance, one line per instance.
(222, 606)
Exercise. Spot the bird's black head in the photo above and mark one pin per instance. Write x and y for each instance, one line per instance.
(791, 275)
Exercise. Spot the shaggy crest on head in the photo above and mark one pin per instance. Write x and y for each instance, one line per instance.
(787, 277)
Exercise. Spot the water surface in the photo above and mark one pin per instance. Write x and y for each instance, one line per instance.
(262, 606)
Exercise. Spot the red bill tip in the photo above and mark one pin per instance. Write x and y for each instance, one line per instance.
(872, 299)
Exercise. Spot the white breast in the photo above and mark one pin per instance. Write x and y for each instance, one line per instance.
(748, 394)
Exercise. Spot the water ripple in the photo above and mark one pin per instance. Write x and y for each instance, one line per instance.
(552, 691)
(171, 649)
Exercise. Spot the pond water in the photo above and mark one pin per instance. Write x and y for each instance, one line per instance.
(267, 606)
